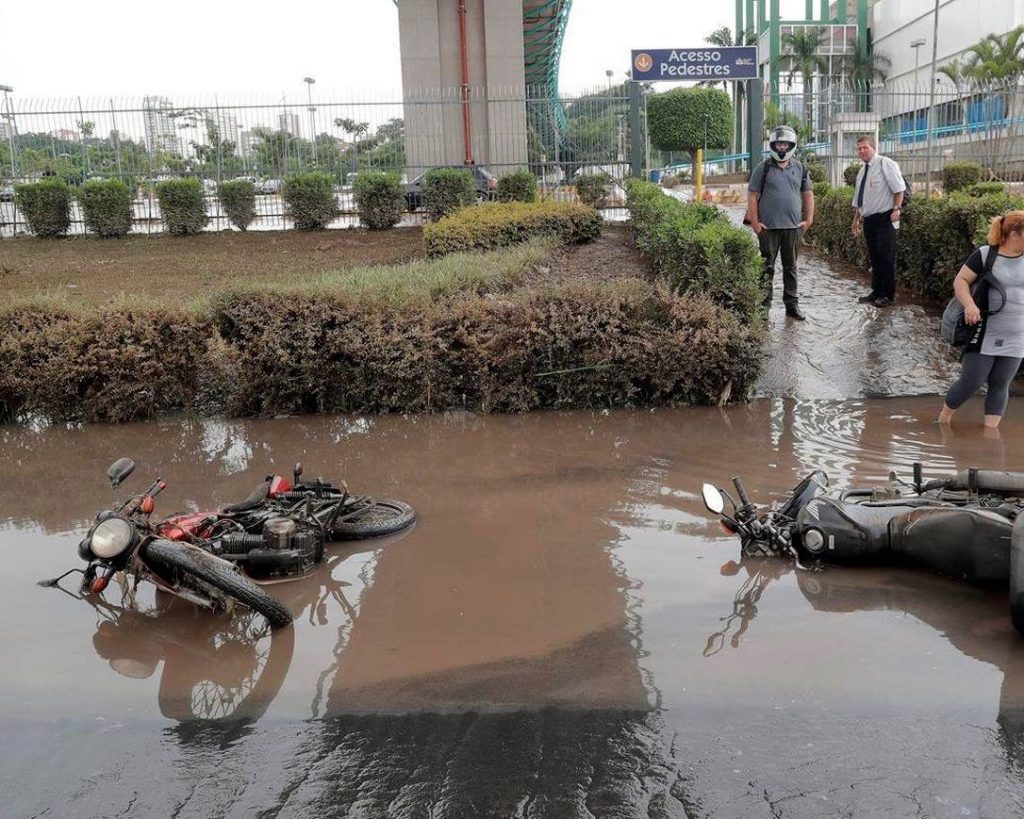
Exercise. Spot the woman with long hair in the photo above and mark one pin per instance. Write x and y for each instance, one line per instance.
(994, 355)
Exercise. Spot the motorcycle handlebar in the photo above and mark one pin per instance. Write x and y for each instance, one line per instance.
(740, 491)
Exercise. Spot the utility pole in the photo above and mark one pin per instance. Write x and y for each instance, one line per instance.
(916, 45)
(931, 101)
(312, 128)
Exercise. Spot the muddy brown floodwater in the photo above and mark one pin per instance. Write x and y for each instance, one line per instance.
(554, 637)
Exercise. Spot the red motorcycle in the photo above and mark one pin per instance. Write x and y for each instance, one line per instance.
(126, 541)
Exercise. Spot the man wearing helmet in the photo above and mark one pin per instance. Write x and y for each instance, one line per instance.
(780, 207)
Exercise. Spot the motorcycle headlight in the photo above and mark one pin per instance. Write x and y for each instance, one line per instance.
(111, 537)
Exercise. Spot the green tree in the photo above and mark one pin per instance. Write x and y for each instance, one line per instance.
(802, 55)
(997, 58)
(686, 119)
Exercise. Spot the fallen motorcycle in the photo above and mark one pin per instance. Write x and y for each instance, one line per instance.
(279, 530)
(967, 526)
(124, 540)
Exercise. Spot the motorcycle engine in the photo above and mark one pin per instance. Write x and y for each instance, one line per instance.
(284, 550)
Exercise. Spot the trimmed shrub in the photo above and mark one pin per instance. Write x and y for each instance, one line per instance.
(520, 186)
(46, 206)
(936, 235)
(118, 364)
(380, 198)
(959, 175)
(850, 173)
(238, 198)
(106, 207)
(498, 224)
(820, 189)
(181, 205)
(445, 190)
(695, 249)
(985, 188)
(817, 171)
(310, 200)
(593, 189)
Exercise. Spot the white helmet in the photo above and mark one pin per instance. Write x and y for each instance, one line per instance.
(782, 133)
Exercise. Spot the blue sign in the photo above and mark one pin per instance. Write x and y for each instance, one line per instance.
(695, 64)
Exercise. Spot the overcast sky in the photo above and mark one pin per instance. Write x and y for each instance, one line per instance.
(61, 48)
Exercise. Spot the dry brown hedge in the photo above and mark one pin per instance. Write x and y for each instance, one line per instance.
(259, 353)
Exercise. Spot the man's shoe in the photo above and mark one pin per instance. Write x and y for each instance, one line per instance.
(794, 313)
(882, 301)
(868, 299)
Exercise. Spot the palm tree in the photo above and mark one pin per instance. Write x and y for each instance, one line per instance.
(997, 59)
(801, 56)
(956, 72)
(865, 66)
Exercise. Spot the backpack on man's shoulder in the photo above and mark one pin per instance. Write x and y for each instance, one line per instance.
(907, 191)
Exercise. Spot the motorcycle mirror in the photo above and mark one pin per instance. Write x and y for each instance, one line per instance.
(712, 499)
(119, 470)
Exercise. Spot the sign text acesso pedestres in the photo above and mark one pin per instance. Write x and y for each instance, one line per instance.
(708, 63)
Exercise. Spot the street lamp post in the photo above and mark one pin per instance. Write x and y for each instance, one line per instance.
(609, 74)
(916, 45)
(931, 101)
(312, 128)
(10, 128)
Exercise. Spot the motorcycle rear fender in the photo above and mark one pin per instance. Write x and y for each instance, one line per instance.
(969, 543)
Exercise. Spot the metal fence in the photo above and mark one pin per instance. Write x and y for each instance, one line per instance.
(145, 140)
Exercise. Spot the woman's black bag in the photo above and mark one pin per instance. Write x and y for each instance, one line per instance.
(957, 331)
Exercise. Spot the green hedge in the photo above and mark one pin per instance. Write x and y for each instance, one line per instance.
(498, 224)
(850, 173)
(310, 200)
(380, 198)
(182, 207)
(238, 198)
(984, 189)
(959, 175)
(695, 249)
(106, 207)
(593, 189)
(46, 206)
(520, 186)
(445, 190)
(936, 235)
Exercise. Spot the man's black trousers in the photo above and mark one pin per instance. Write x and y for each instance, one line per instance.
(881, 238)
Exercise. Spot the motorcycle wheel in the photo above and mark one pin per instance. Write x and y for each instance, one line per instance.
(1017, 574)
(373, 517)
(183, 560)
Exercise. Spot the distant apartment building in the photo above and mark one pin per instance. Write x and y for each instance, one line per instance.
(247, 142)
(5, 129)
(227, 125)
(67, 135)
(161, 135)
(289, 122)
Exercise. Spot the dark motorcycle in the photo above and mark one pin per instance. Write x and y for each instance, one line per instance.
(124, 540)
(967, 526)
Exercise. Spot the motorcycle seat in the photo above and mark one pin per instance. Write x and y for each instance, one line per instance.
(255, 498)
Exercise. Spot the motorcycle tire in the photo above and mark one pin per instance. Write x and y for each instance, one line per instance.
(189, 560)
(375, 517)
(1017, 574)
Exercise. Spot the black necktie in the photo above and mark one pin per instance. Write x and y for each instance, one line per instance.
(863, 182)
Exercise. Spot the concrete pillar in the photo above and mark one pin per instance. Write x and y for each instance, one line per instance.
(432, 76)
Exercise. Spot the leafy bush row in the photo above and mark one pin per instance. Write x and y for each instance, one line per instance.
(936, 235)
(499, 224)
(695, 249)
(260, 353)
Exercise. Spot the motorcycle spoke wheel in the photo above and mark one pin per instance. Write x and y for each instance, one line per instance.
(372, 517)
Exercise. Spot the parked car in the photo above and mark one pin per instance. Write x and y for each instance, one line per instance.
(485, 182)
(268, 187)
(7, 193)
(252, 179)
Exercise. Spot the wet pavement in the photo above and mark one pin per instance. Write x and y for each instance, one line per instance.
(563, 633)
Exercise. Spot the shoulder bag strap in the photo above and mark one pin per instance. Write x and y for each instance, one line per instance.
(993, 282)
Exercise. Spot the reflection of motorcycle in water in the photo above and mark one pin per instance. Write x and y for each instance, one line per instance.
(125, 542)
(214, 668)
(967, 526)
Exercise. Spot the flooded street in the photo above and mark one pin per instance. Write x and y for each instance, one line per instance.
(563, 633)
(554, 637)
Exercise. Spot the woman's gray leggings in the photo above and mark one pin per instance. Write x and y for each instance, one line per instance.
(997, 370)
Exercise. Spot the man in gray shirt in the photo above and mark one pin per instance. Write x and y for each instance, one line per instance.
(780, 207)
